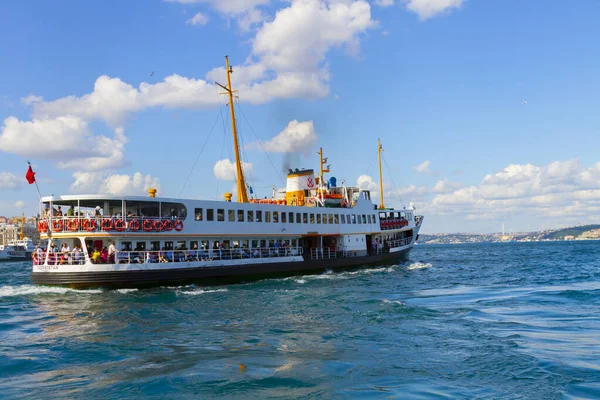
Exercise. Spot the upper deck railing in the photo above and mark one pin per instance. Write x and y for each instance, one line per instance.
(110, 224)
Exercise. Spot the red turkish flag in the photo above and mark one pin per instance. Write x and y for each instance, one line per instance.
(30, 175)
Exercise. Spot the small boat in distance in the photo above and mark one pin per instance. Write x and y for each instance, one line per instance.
(135, 241)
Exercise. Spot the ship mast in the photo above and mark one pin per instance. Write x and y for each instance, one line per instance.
(241, 182)
(379, 150)
(323, 161)
(22, 225)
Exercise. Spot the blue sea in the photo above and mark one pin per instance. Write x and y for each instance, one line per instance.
(510, 320)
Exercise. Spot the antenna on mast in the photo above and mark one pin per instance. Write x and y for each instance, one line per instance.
(379, 150)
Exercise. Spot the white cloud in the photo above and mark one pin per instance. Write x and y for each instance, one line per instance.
(246, 12)
(423, 168)
(297, 137)
(426, 9)
(31, 99)
(446, 186)
(66, 140)
(9, 181)
(198, 19)
(98, 182)
(19, 204)
(225, 169)
(384, 3)
(565, 190)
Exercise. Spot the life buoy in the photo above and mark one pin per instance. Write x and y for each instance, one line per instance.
(73, 224)
(43, 227)
(107, 224)
(57, 225)
(178, 225)
(157, 225)
(88, 224)
(147, 225)
(273, 201)
(167, 225)
(134, 225)
(120, 225)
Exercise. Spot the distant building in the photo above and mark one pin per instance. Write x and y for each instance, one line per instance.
(3, 220)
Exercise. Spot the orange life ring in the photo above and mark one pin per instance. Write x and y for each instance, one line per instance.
(134, 225)
(147, 225)
(157, 225)
(43, 227)
(167, 225)
(178, 225)
(120, 225)
(73, 224)
(88, 224)
(107, 224)
(57, 225)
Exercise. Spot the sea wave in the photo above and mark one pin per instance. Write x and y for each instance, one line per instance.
(200, 291)
(26, 290)
(419, 265)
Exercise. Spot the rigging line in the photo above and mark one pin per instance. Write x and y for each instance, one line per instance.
(222, 151)
(260, 144)
(369, 168)
(243, 145)
(199, 154)
(392, 177)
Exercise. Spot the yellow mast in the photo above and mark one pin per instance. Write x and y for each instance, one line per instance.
(323, 161)
(379, 150)
(241, 182)
(22, 225)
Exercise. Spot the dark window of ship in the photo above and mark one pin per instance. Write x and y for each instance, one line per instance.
(318, 218)
(364, 219)
(353, 218)
(330, 218)
(283, 217)
(358, 219)
(298, 218)
(267, 216)
(275, 216)
(291, 218)
(250, 216)
(231, 215)
(210, 214)
(324, 218)
(240, 214)
(198, 214)
(336, 218)
(343, 218)
(305, 218)
(220, 214)
(259, 216)
(312, 218)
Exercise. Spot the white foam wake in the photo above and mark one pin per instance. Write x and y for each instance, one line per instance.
(125, 291)
(26, 290)
(200, 291)
(419, 265)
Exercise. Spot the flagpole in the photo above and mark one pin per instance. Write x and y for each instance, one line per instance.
(36, 185)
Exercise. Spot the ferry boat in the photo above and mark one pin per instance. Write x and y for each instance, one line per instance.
(18, 250)
(137, 241)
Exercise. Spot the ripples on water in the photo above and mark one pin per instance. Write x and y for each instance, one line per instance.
(471, 321)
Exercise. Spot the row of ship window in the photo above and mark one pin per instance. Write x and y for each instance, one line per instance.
(222, 215)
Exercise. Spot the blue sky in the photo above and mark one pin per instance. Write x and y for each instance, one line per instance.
(442, 82)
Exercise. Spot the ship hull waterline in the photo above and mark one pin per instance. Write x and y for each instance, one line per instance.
(207, 275)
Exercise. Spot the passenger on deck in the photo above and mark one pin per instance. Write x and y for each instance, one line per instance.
(96, 256)
(58, 212)
(71, 211)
